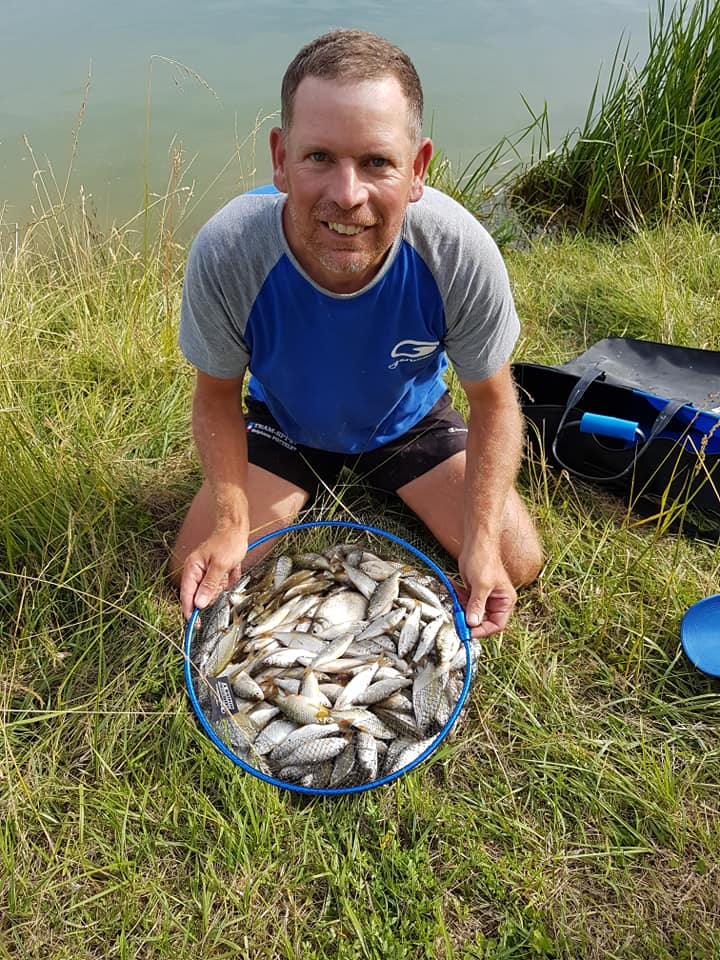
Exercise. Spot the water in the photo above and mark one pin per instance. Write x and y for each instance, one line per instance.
(166, 75)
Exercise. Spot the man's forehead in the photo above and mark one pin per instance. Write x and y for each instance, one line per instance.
(314, 93)
(368, 110)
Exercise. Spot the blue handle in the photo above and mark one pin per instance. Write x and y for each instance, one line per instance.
(602, 426)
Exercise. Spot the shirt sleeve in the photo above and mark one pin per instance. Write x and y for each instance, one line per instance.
(210, 336)
(482, 324)
(229, 263)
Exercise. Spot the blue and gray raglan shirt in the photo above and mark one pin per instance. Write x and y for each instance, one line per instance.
(347, 372)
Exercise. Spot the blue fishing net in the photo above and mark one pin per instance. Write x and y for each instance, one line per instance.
(338, 663)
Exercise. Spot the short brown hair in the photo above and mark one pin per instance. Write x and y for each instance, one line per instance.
(354, 56)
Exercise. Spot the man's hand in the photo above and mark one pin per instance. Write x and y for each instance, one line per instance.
(489, 597)
(211, 568)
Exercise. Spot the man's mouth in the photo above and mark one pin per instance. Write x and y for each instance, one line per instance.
(346, 229)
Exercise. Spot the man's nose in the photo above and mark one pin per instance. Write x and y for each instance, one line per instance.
(349, 188)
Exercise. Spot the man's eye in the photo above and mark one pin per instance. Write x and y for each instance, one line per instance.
(378, 162)
(318, 156)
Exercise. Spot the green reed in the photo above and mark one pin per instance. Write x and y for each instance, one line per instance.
(650, 144)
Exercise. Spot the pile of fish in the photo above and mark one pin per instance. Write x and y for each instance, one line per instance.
(330, 669)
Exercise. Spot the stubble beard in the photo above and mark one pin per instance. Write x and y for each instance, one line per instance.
(343, 263)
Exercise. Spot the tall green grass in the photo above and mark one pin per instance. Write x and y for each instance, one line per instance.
(575, 814)
(650, 145)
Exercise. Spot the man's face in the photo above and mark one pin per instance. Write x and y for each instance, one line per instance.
(349, 168)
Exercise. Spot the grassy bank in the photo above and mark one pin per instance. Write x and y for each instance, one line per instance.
(649, 148)
(575, 814)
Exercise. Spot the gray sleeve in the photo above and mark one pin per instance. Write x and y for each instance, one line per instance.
(224, 274)
(482, 324)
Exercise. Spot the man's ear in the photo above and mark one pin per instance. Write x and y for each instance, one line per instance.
(420, 166)
(278, 154)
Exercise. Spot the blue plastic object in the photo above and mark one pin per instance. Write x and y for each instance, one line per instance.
(265, 188)
(702, 427)
(700, 635)
(614, 427)
(460, 625)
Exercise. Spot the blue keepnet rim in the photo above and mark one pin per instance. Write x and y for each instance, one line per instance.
(460, 625)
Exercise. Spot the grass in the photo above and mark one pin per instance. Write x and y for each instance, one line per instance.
(574, 815)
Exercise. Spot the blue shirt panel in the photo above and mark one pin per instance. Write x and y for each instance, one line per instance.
(348, 373)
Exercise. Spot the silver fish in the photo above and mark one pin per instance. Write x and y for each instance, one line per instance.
(283, 566)
(427, 638)
(332, 651)
(312, 561)
(356, 687)
(427, 691)
(245, 687)
(364, 720)
(364, 584)
(273, 734)
(447, 643)
(383, 596)
(327, 639)
(413, 587)
(340, 608)
(366, 749)
(378, 569)
(404, 753)
(262, 713)
(384, 624)
(381, 690)
(427, 610)
(224, 649)
(300, 709)
(410, 632)
(315, 751)
(304, 734)
(293, 609)
(343, 766)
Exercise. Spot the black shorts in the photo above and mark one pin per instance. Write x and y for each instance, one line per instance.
(439, 435)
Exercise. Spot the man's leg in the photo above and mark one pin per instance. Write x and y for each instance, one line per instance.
(437, 499)
(274, 503)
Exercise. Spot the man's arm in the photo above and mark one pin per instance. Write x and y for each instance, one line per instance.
(494, 451)
(219, 432)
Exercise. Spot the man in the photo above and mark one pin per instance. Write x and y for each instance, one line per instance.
(345, 294)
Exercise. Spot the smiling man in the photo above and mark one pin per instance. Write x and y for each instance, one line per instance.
(345, 294)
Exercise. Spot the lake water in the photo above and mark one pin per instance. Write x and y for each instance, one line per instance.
(171, 73)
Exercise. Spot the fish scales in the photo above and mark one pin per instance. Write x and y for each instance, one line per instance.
(293, 609)
(413, 587)
(304, 734)
(343, 766)
(283, 567)
(366, 752)
(356, 687)
(377, 692)
(361, 581)
(410, 632)
(382, 625)
(315, 751)
(300, 709)
(385, 593)
(342, 607)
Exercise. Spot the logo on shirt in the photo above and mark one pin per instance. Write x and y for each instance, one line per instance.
(410, 351)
